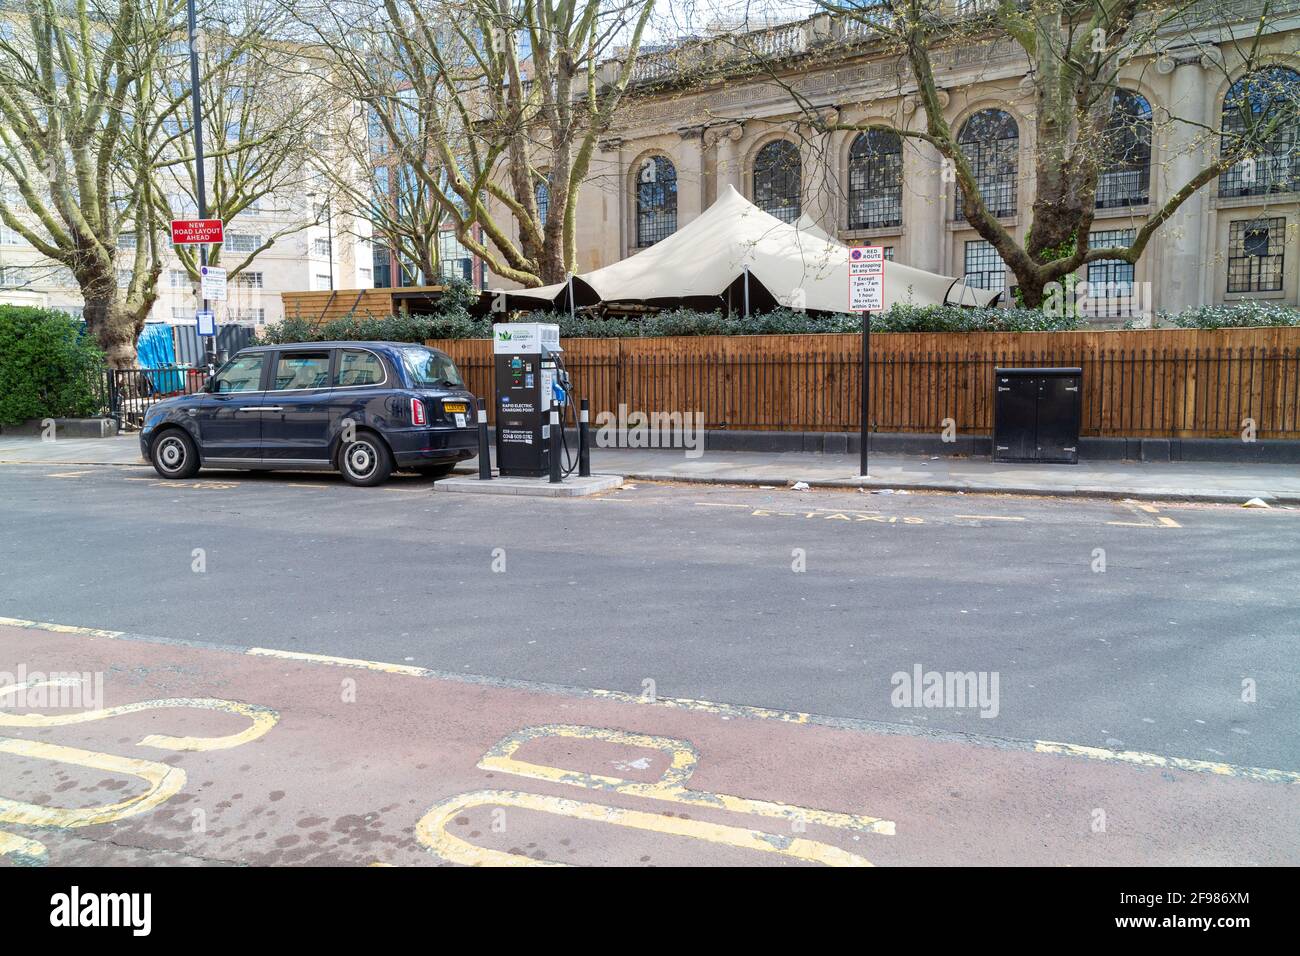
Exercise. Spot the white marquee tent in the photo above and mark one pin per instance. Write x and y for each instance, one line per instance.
(703, 264)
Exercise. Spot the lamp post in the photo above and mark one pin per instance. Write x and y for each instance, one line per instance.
(196, 104)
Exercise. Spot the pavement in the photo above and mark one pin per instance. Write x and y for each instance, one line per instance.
(295, 670)
(1167, 481)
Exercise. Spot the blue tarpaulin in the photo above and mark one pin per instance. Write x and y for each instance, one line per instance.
(156, 350)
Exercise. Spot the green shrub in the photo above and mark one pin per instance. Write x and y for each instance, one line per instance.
(1241, 315)
(48, 366)
(901, 318)
(453, 321)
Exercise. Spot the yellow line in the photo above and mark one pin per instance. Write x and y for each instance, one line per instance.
(59, 628)
(1177, 763)
(432, 830)
(340, 661)
(718, 504)
(990, 517)
(1168, 522)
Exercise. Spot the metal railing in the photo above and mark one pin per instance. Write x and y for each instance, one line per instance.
(1129, 393)
(127, 393)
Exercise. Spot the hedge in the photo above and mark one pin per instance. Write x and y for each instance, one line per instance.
(48, 366)
(455, 322)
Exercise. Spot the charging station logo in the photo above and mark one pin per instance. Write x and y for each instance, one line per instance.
(503, 336)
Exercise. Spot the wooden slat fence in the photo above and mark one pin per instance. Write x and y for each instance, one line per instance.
(1150, 383)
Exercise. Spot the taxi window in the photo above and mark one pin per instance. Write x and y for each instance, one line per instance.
(243, 374)
(301, 370)
(358, 367)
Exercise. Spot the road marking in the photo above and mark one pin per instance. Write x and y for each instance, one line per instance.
(1178, 763)
(60, 628)
(1160, 522)
(163, 781)
(719, 504)
(990, 517)
(671, 786)
(723, 710)
(68, 474)
(682, 758)
(850, 516)
(432, 830)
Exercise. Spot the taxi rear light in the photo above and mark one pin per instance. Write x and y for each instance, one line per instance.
(418, 416)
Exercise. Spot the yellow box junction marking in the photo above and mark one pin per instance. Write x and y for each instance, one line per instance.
(682, 758)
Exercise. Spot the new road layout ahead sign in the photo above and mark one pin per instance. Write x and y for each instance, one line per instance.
(188, 232)
(866, 279)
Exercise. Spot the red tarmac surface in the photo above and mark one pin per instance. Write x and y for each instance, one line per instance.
(345, 763)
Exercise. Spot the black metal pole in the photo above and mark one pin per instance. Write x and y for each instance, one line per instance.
(484, 459)
(584, 441)
(196, 105)
(329, 237)
(864, 428)
(554, 444)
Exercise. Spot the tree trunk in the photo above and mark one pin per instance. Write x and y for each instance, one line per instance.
(115, 327)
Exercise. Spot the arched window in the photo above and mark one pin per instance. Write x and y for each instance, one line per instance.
(656, 201)
(991, 141)
(778, 180)
(876, 180)
(542, 195)
(1125, 178)
(1252, 105)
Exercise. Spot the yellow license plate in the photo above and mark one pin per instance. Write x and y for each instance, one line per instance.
(455, 406)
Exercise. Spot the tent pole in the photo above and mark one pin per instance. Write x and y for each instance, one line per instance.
(569, 281)
(746, 291)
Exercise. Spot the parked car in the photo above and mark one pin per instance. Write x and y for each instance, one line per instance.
(362, 408)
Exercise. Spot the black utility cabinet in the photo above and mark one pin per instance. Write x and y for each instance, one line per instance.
(1036, 414)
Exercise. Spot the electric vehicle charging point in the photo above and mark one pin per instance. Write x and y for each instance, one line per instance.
(534, 402)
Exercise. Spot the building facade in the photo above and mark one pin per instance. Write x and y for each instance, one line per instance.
(332, 253)
(678, 144)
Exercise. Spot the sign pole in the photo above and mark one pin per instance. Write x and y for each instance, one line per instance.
(196, 106)
(864, 436)
(866, 295)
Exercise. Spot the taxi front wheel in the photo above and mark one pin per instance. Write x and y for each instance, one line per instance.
(173, 455)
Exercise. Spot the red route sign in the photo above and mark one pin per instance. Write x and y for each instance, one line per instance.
(187, 232)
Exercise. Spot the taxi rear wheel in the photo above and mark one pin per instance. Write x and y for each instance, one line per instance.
(365, 460)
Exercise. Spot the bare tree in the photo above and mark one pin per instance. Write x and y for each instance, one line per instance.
(270, 127)
(94, 130)
(487, 102)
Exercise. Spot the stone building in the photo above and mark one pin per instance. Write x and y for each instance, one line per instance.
(677, 143)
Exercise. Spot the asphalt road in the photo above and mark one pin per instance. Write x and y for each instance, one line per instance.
(693, 588)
